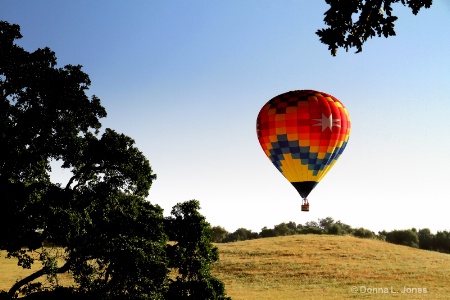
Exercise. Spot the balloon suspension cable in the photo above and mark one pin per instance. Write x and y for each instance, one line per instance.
(305, 201)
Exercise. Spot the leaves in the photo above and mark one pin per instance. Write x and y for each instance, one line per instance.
(347, 30)
(114, 240)
(101, 214)
(44, 109)
(192, 255)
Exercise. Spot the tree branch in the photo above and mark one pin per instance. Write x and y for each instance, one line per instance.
(35, 276)
(84, 170)
(70, 182)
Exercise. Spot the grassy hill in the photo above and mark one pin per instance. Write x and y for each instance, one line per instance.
(316, 267)
(328, 267)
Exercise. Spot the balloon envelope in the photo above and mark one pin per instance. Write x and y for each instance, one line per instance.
(303, 133)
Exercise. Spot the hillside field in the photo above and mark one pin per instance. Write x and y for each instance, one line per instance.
(331, 267)
(316, 267)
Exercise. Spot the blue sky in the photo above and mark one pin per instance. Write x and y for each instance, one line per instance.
(186, 80)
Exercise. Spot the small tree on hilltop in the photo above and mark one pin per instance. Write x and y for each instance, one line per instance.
(407, 237)
(364, 233)
(218, 234)
(425, 239)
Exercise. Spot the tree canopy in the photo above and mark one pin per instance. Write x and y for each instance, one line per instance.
(113, 241)
(352, 22)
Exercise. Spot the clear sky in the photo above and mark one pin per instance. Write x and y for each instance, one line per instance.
(186, 80)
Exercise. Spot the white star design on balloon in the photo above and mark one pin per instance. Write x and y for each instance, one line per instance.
(327, 122)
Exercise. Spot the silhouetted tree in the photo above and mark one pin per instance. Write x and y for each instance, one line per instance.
(112, 239)
(192, 255)
(109, 232)
(351, 23)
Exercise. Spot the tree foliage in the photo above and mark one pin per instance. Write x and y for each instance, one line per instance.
(422, 238)
(363, 233)
(352, 22)
(113, 240)
(408, 237)
(192, 254)
(218, 234)
(241, 234)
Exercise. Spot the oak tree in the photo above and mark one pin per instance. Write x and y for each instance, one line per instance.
(111, 239)
(352, 22)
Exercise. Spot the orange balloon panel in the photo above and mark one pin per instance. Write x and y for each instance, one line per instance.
(303, 133)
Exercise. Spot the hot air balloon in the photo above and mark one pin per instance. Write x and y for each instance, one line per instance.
(303, 133)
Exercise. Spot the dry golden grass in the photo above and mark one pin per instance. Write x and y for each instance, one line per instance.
(10, 272)
(314, 267)
(327, 267)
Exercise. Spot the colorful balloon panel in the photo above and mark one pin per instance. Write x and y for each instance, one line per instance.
(303, 133)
